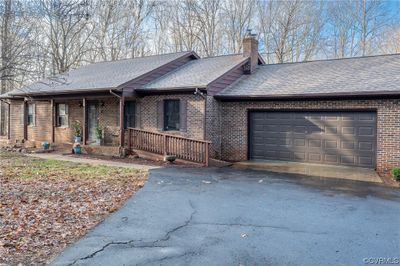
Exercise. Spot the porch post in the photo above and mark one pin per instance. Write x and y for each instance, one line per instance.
(84, 121)
(9, 122)
(121, 122)
(52, 121)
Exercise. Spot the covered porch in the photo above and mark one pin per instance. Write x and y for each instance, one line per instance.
(109, 124)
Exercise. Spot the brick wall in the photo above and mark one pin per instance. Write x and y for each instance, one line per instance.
(213, 127)
(109, 120)
(234, 125)
(41, 130)
(195, 114)
(75, 113)
(16, 121)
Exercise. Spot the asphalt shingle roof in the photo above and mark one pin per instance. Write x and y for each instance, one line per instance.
(197, 73)
(97, 76)
(362, 75)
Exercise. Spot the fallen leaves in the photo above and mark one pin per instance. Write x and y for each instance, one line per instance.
(46, 205)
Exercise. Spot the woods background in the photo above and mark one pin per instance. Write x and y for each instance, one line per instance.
(45, 37)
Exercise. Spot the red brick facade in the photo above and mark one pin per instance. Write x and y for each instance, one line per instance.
(108, 118)
(224, 123)
(195, 109)
(234, 124)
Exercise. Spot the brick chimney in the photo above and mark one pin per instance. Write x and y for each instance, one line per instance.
(250, 49)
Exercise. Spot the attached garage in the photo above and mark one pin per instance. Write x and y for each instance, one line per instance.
(342, 112)
(324, 137)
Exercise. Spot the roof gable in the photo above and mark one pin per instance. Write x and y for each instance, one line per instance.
(197, 73)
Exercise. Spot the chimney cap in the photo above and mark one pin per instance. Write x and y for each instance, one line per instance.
(249, 34)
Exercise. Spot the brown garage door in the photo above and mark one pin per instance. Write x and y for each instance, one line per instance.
(340, 138)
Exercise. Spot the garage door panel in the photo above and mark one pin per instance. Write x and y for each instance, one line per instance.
(348, 117)
(331, 158)
(366, 146)
(314, 143)
(366, 161)
(368, 117)
(366, 131)
(331, 144)
(331, 130)
(348, 145)
(346, 138)
(314, 157)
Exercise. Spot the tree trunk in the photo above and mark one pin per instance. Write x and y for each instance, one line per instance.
(5, 48)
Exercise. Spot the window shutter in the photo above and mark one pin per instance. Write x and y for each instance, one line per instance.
(183, 115)
(34, 113)
(160, 115)
(66, 115)
(137, 114)
(24, 113)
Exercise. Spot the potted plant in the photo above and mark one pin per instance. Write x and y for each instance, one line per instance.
(170, 158)
(99, 135)
(77, 131)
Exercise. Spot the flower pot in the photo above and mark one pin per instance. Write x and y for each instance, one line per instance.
(78, 139)
(170, 158)
(45, 145)
(77, 150)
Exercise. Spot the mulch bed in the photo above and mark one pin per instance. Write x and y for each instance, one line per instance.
(46, 205)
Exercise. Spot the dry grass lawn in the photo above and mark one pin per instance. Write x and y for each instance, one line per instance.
(46, 205)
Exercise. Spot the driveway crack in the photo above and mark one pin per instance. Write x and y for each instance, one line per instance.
(142, 244)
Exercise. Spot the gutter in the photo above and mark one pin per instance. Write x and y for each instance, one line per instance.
(316, 96)
(116, 95)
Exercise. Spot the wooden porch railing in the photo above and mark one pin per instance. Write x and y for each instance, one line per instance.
(183, 148)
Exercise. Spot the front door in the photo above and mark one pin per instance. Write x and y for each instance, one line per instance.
(93, 120)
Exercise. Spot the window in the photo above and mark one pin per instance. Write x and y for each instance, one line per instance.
(62, 115)
(129, 114)
(171, 115)
(31, 114)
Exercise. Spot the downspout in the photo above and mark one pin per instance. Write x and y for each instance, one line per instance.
(8, 118)
(116, 95)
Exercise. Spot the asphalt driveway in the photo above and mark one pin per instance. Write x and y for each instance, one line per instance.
(232, 217)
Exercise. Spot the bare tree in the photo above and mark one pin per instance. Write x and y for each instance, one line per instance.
(237, 18)
(120, 30)
(371, 17)
(290, 30)
(343, 39)
(69, 30)
(390, 40)
(208, 13)
(16, 40)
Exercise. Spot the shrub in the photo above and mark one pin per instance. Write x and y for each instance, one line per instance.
(396, 173)
(77, 128)
(99, 132)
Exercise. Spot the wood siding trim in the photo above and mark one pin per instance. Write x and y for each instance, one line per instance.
(226, 79)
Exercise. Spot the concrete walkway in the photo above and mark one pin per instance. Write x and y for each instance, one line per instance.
(318, 170)
(60, 157)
